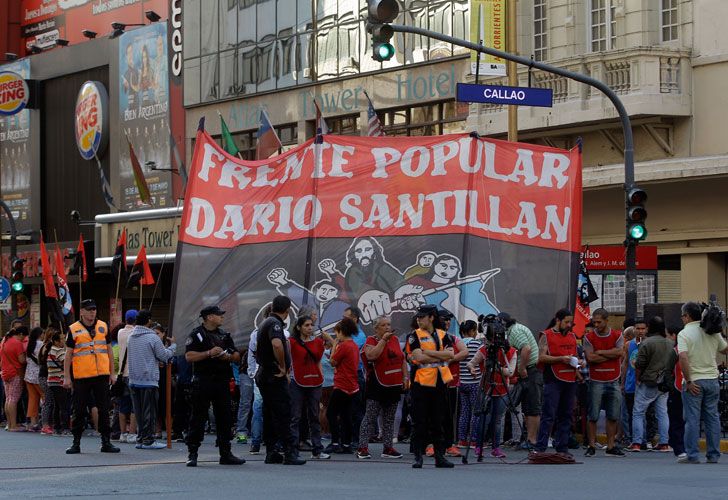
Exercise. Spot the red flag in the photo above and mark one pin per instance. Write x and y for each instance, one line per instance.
(118, 263)
(81, 259)
(141, 274)
(60, 265)
(139, 179)
(50, 288)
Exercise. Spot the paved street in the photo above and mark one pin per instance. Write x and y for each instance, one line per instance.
(35, 466)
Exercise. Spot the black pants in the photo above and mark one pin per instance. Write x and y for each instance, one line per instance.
(83, 389)
(206, 390)
(430, 411)
(452, 399)
(276, 414)
(181, 404)
(677, 424)
(145, 401)
(60, 407)
(340, 416)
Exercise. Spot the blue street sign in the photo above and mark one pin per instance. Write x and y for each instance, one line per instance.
(500, 94)
(4, 289)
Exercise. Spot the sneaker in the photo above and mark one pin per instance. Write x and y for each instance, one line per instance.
(497, 453)
(131, 438)
(391, 453)
(634, 447)
(686, 460)
(363, 453)
(453, 452)
(681, 455)
(614, 452)
(663, 448)
(430, 451)
(477, 451)
(551, 443)
(527, 446)
(320, 456)
(599, 446)
(241, 438)
(712, 460)
(46, 431)
(138, 446)
(154, 445)
(643, 447)
(650, 447)
(122, 437)
(590, 451)
(254, 449)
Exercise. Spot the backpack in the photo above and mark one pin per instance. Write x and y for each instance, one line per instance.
(713, 319)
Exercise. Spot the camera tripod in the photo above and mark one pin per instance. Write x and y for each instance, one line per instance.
(485, 398)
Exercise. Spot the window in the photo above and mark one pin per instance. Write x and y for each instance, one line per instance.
(539, 30)
(669, 20)
(602, 24)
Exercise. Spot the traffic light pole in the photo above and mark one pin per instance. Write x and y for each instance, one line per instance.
(630, 258)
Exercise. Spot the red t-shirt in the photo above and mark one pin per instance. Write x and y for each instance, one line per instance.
(9, 352)
(346, 358)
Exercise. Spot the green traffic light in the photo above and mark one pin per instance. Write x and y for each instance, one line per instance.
(17, 286)
(637, 232)
(384, 51)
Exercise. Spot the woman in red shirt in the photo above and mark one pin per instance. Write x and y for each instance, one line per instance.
(306, 381)
(12, 360)
(345, 360)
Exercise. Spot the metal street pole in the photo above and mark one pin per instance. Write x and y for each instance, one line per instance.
(512, 71)
(13, 246)
(630, 271)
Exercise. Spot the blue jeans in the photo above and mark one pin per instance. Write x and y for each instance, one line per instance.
(558, 405)
(492, 420)
(246, 403)
(643, 397)
(704, 404)
(607, 395)
(256, 431)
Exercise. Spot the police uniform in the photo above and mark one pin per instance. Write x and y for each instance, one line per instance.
(210, 384)
(430, 406)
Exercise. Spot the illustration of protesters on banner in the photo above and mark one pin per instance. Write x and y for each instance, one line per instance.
(423, 265)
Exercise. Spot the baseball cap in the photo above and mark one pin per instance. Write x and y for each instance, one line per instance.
(445, 314)
(88, 304)
(131, 316)
(426, 310)
(211, 310)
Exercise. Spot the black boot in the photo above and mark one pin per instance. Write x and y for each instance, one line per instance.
(75, 447)
(192, 459)
(107, 447)
(292, 458)
(440, 461)
(418, 460)
(227, 458)
(273, 457)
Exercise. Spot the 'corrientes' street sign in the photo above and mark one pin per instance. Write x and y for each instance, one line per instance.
(500, 94)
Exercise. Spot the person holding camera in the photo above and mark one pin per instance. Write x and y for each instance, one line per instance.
(530, 377)
(558, 360)
(430, 351)
(210, 349)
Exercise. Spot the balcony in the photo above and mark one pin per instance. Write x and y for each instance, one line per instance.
(650, 81)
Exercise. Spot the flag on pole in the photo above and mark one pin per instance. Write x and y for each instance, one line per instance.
(80, 263)
(228, 143)
(374, 126)
(268, 141)
(140, 274)
(585, 295)
(139, 179)
(178, 160)
(64, 293)
(47, 272)
(321, 127)
(105, 186)
(118, 263)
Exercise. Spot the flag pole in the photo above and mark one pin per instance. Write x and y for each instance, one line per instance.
(141, 290)
(118, 280)
(168, 405)
(80, 282)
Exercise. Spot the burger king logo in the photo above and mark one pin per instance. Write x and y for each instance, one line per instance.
(14, 93)
(91, 119)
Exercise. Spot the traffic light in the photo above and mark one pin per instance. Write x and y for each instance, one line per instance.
(382, 12)
(17, 275)
(636, 215)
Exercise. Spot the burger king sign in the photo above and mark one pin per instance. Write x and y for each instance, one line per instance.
(92, 119)
(14, 93)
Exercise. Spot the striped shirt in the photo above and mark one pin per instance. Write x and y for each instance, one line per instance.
(518, 336)
(465, 376)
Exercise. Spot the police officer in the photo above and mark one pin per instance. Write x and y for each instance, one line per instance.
(429, 350)
(211, 350)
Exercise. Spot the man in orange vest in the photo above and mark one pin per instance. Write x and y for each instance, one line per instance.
(558, 359)
(89, 369)
(604, 348)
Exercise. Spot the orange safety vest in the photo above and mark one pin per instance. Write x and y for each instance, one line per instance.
(426, 374)
(610, 370)
(561, 345)
(90, 355)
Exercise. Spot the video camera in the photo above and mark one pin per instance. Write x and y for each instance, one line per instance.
(495, 336)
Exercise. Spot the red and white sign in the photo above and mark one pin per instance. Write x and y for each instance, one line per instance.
(92, 119)
(14, 93)
(386, 186)
(612, 257)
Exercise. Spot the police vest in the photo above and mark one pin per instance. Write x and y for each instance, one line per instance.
(561, 345)
(611, 369)
(387, 368)
(306, 369)
(90, 355)
(426, 374)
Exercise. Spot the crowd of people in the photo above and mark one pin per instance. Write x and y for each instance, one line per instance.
(297, 388)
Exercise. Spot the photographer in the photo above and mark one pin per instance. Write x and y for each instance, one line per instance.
(497, 363)
(530, 377)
